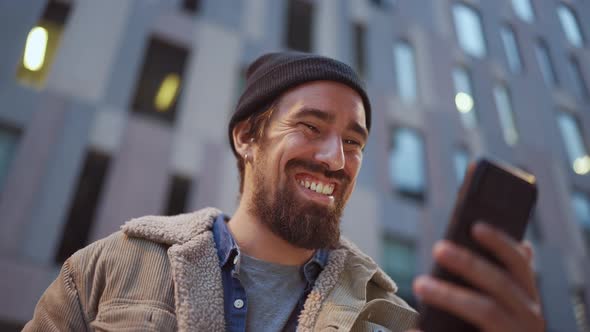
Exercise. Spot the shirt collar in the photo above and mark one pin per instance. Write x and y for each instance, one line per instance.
(227, 247)
(227, 250)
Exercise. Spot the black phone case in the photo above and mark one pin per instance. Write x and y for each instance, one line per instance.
(498, 195)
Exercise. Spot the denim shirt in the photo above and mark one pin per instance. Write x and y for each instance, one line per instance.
(235, 303)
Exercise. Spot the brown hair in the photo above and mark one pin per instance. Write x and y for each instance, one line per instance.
(257, 124)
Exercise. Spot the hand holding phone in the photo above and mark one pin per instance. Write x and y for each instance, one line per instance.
(503, 198)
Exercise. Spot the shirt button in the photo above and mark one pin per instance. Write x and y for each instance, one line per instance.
(239, 304)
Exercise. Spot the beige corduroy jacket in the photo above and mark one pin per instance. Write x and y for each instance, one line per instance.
(163, 274)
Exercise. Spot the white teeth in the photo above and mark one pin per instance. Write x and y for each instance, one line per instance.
(326, 189)
(319, 188)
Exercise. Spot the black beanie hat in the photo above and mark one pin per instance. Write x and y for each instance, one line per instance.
(272, 74)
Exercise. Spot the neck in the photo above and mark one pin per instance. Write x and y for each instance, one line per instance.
(258, 241)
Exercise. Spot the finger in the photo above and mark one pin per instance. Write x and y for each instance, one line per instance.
(510, 254)
(466, 304)
(486, 276)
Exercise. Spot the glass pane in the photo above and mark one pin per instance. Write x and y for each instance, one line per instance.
(581, 208)
(545, 63)
(577, 78)
(405, 68)
(574, 143)
(460, 161)
(407, 162)
(504, 107)
(399, 261)
(8, 140)
(469, 30)
(511, 48)
(524, 10)
(570, 26)
(464, 100)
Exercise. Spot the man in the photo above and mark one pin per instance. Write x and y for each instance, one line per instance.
(279, 263)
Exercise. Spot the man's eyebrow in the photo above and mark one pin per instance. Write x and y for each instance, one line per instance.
(314, 112)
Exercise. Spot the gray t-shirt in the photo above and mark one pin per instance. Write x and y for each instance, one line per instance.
(272, 290)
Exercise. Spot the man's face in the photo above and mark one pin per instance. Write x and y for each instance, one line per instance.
(306, 164)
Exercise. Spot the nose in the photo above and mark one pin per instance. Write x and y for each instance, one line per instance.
(331, 153)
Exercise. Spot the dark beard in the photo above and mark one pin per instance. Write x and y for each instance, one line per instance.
(303, 224)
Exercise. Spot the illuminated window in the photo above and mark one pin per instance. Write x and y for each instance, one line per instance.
(84, 204)
(460, 163)
(469, 30)
(545, 63)
(399, 262)
(506, 114)
(407, 164)
(299, 25)
(577, 152)
(178, 194)
(359, 47)
(405, 69)
(8, 143)
(511, 49)
(41, 44)
(464, 100)
(578, 78)
(570, 25)
(524, 10)
(160, 83)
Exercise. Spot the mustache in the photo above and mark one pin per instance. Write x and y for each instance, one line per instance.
(339, 175)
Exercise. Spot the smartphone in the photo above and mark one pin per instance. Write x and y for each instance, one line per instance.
(498, 194)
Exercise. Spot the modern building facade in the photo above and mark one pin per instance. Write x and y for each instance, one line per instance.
(118, 109)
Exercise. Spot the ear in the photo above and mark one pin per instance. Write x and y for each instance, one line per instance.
(242, 140)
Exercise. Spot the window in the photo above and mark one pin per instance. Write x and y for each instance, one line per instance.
(159, 85)
(574, 143)
(464, 101)
(580, 306)
(399, 262)
(578, 78)
(42, 43)
(405, 69)
(299, 25)
(524, 10)
(191, 6)
(178, 194)
(570, 25)
(460, 163)
(504, 107)
(581, 208)
(511, 49)
(545, 63)
(359, 48)
(469, 30)
(83, 206)
(386, 4)
(8, 143)
(407, 164)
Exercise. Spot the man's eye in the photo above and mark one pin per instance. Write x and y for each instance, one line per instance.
(310, 127)
(352, 142)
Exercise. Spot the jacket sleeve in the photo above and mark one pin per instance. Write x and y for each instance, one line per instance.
(59, 308)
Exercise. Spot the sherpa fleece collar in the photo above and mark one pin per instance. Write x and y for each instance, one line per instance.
(197, 276)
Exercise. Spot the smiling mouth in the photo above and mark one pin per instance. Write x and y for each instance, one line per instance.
(317, 186)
